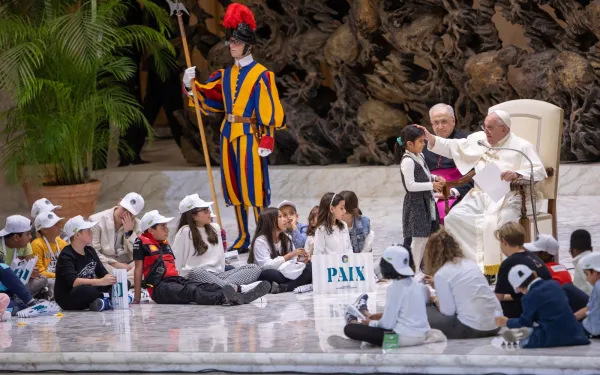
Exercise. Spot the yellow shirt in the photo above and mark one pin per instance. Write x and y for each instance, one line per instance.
(47, 256)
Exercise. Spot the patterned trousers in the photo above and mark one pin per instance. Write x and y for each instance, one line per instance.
(243, 275)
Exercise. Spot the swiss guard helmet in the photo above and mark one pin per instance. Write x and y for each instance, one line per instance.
(239, 23)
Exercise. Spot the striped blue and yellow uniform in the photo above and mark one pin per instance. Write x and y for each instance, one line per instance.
(249, 92)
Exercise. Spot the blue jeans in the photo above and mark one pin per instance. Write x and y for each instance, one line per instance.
(14, 287)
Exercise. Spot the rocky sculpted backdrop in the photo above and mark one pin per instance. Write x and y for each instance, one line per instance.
(352, 73)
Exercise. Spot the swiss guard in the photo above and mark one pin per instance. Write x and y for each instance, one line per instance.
(246, 92)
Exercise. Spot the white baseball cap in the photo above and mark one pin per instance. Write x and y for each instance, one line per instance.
(42, 205)
(16, 224)
(518, 274)
(503, 115)
(287, 203)
(398, 257)
(133, 202)
(192, 201)
(591, 262)
(152, 218)
(46, 220)
(76, 224)
(544, 242)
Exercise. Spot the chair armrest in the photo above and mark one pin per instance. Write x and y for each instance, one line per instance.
(461, 181)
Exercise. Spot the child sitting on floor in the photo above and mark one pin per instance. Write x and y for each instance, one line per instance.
(581, 245)
(81, 279)
(332, 235)
(48, 245)
(309, 245)
(547, 319)
(404, 312)
(359, 225)
(591, 314)
(272, 249)
(546, 248)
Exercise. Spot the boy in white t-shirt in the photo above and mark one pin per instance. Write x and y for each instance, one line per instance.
(404, 314)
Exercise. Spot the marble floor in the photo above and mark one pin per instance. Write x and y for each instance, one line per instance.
(278, 333)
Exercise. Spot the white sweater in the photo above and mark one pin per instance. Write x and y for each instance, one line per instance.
(338, 242)
(262, 254)
(213, 260)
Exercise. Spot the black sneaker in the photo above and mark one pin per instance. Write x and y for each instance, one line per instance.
(231, 296)
(258, 291)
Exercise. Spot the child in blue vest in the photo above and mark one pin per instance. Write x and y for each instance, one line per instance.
(544, 303)
(359, 225)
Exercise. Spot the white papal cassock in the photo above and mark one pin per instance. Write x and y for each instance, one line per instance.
(475, 219)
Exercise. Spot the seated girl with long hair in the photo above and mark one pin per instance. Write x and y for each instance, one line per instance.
(198, 248)
(332, 235)
(272, 248)
(465, 307)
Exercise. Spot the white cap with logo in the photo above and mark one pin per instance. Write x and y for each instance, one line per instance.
(518, 274)
(398, 257)
(46, 220)
(42, 205)
(544, 242)
(152, 218)
(133, 202)
(192, 201)
(76, 224)
(591, 262)
(287, 203)
(16, 224)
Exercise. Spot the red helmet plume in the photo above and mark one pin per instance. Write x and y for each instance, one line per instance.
(236, 14)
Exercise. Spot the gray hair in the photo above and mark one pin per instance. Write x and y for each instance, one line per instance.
(441, 107)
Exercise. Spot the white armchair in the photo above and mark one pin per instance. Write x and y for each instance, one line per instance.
(540, 123)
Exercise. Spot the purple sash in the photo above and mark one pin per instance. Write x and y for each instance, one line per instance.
(450, 174)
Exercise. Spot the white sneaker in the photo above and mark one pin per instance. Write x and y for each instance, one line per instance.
(249, 287)
(145, 296)
(41, 309)
(304, 288)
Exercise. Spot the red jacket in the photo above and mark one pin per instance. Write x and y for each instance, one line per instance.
(146, 248)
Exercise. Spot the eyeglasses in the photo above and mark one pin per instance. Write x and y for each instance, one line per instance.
(234, 42)
(197, 210)
(438, 124)
(488, 128)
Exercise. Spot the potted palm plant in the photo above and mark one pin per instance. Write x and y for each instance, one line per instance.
(64, 65)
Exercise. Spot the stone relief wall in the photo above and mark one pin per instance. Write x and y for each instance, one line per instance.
(352, 73)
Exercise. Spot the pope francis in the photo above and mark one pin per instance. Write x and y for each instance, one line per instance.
(475, 219)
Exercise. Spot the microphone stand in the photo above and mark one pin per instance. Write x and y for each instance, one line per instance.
(531, 181)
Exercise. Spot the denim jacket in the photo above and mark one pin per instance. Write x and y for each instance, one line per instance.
(361, 227)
